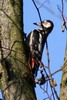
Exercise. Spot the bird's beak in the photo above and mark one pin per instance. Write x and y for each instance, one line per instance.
(38, 24)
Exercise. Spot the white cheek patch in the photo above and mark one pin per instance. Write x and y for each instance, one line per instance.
(47, 25)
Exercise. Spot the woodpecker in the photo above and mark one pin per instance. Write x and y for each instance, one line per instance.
(36, 41)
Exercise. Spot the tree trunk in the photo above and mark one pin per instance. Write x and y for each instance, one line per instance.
(63, 92)
(15, 78)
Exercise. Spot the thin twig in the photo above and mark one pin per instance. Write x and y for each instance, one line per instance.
(56, 94)
(42, 4)
(48, 58)
(12, 50)
(37, 10)
(62, 12)
(46, 93)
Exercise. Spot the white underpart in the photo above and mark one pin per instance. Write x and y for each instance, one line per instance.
(30, 43)
(40, 43)
(47, 24)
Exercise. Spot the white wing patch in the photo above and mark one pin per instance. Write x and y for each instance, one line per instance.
(30, 43)
(40, 43)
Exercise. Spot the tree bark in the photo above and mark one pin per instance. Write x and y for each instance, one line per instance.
(63, 92)
(15, 77)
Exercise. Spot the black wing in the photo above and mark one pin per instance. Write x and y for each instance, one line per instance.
(35, 42)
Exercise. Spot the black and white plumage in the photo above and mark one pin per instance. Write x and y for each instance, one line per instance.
(36, 41)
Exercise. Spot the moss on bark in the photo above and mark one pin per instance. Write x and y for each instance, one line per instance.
(15, 77)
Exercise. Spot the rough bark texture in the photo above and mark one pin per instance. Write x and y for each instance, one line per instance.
(15, 78)
(63, 93)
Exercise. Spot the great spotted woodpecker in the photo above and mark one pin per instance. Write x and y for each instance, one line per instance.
(36, 41)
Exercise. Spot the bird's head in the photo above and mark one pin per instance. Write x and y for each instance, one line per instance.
(45, 26)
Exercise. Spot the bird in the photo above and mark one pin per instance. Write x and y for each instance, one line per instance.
(36, 41)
